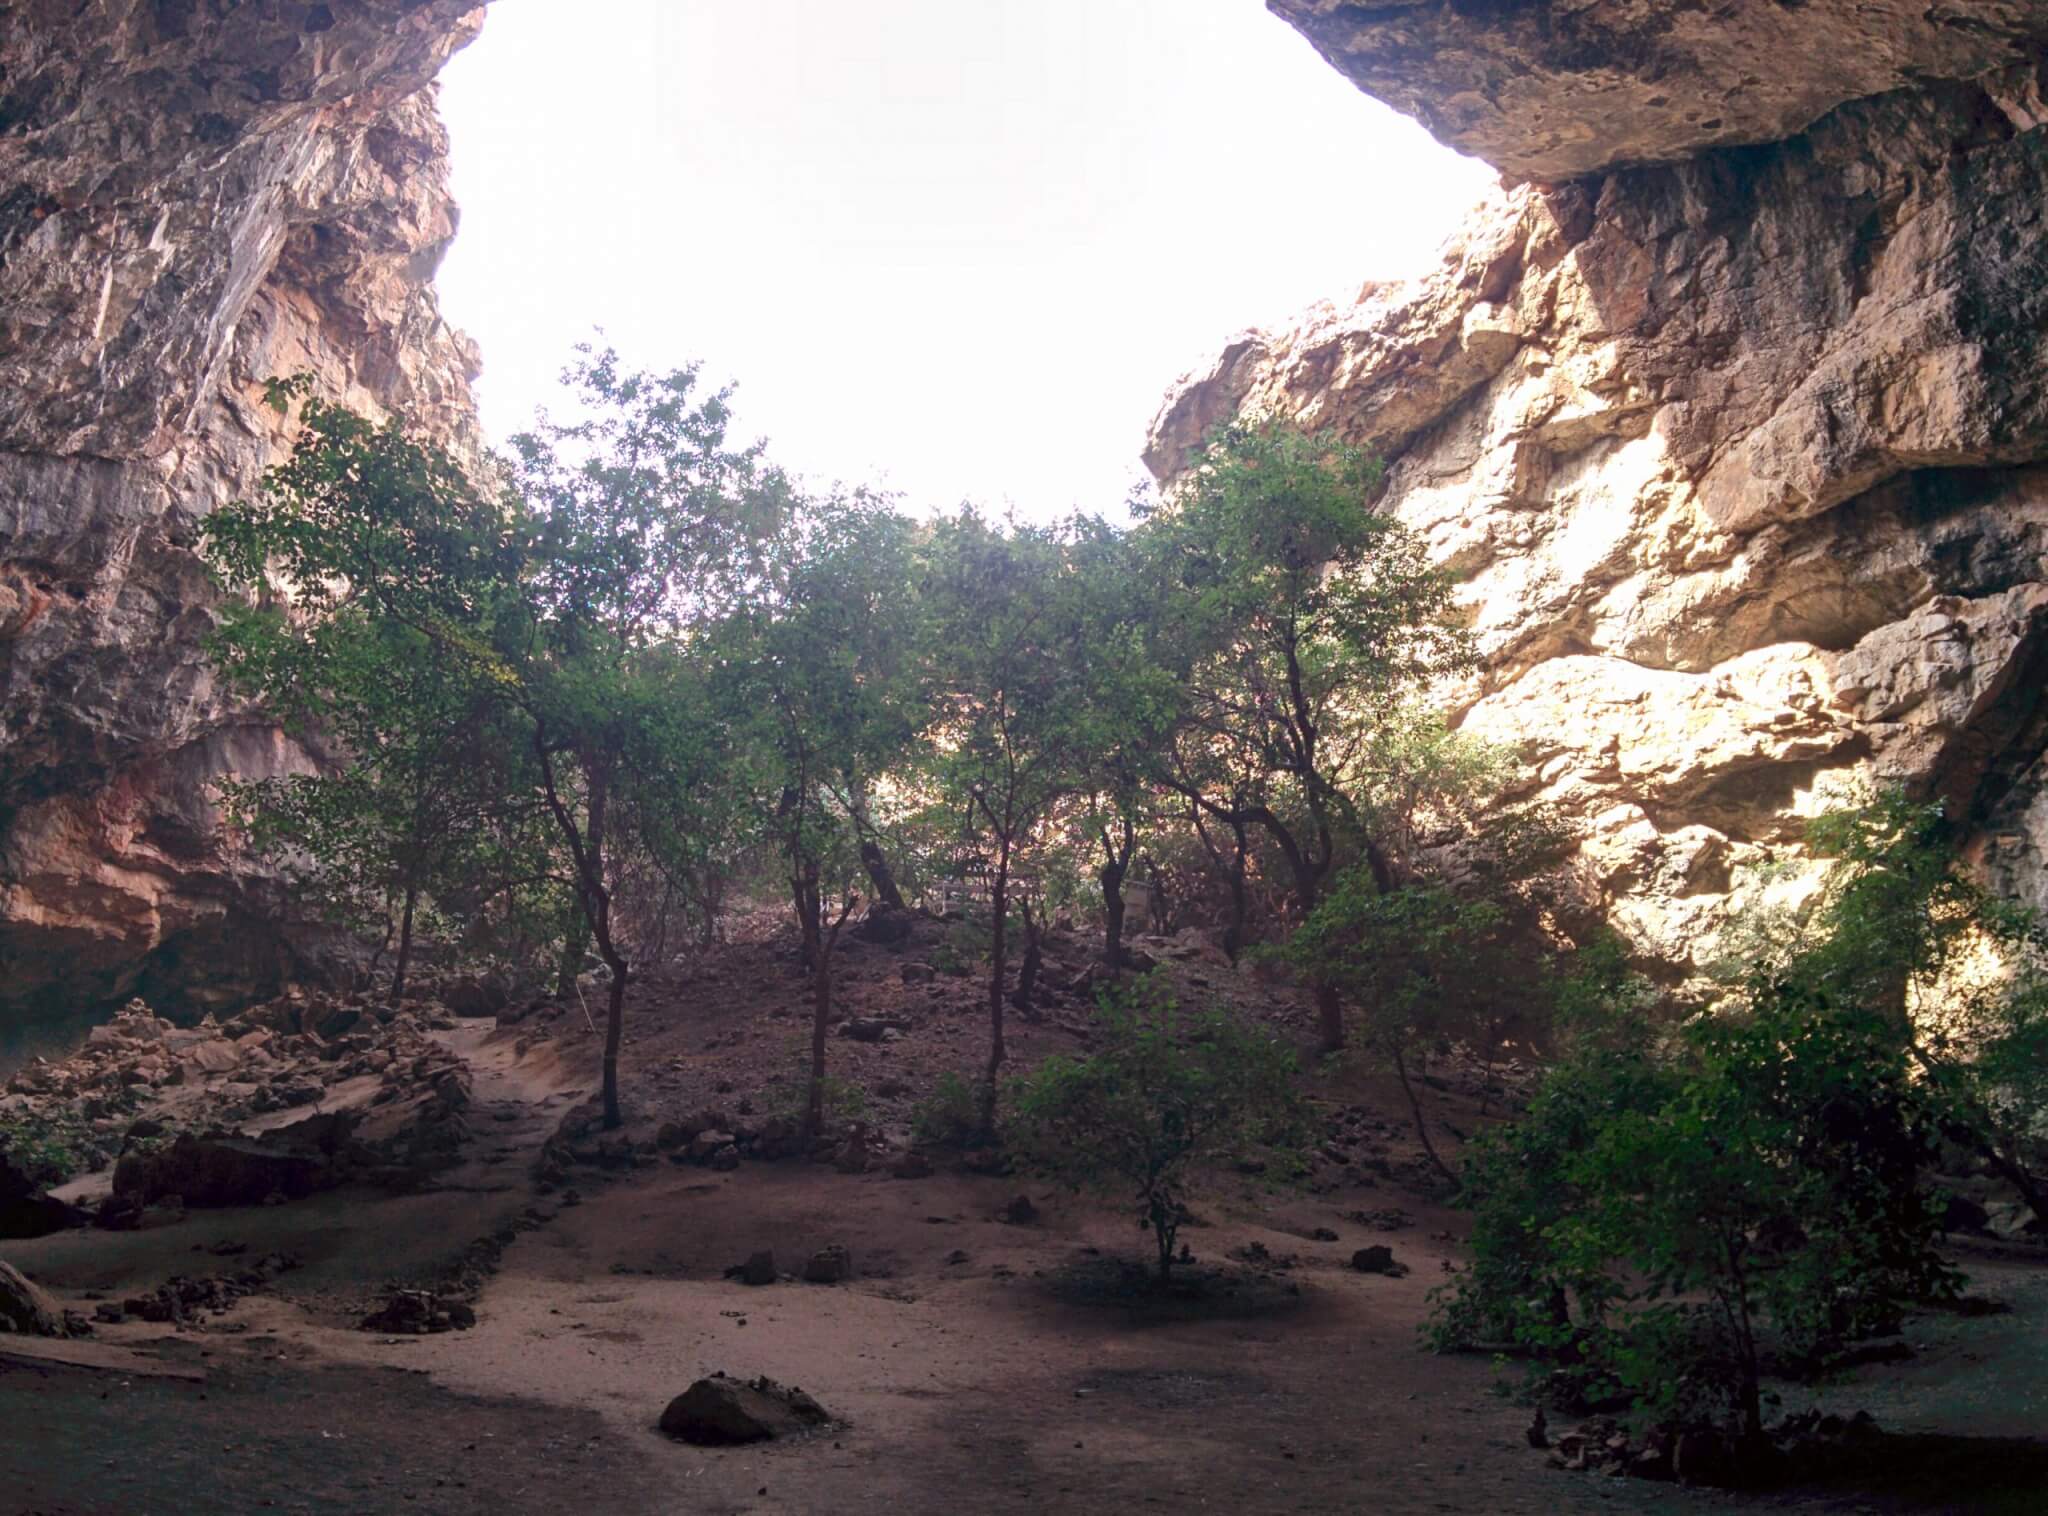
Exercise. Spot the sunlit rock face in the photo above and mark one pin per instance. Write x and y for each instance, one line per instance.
(1743, 459)
(195, 195)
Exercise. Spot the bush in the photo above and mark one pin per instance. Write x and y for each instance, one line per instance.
(950, 1116)
(844, 1099)
(49, 1152)
(1167, 1094)
(1650, 1219)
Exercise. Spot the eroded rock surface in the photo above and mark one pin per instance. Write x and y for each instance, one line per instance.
(1551, 89)
(193, 198)
(1744, 461)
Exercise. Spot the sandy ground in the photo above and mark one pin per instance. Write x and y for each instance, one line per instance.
(974, 1365)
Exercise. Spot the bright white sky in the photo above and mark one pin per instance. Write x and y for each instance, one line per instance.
(957, 248)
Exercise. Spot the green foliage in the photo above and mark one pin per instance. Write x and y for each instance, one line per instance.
(50, 1150)
(840, 1100)
(1662, 1226)
(388, 562)
(950, 1116)
(1306, 623)
(1168, 1094)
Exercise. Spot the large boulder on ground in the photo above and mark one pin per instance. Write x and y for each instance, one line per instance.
(885, 926)
(476, 995)
(26, 1210)
(720, 1411)
(218, 1170)
(26, 1309)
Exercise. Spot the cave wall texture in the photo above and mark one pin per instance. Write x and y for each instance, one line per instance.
(195, 195)
(1733, 411)
(1731, 408)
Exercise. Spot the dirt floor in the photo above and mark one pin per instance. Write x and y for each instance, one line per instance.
(972, 1363)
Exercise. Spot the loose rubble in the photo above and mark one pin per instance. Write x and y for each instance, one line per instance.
(190, 1115)
(419, 1313)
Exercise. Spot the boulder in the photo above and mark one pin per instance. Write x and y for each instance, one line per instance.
(720, 1411)
(26, 1210)
(219, 1170)
(476, 995)
(884, 926)
(215, 1055)
(759, 1269)
(25, 1308)
(1378, 1259)
(831, 1264)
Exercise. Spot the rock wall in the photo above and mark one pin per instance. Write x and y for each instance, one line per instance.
(1743, 458)
(195, 195)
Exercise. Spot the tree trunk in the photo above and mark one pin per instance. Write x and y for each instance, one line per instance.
(1112, 877)
(575, 947)
(1234, 939)
(880, 876)
(821, 1015)
(999, 901)
(809, 911)
(1329, 1018)
(614, 1034)
(412, 897)
(1421, 1124)
(1027, 974)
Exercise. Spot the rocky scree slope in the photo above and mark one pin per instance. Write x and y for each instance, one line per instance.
(1743, 457)
(195, 196)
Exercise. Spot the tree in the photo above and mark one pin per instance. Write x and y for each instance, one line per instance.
(1649, 1219)
(1122, 711)
(1305, 620)
(1005, 655)
(643, 522)
(816, 655)
(1962, 975)
(1167, 1095)
(381, 549)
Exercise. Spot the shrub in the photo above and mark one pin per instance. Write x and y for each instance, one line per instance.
(49, 1152)
(843, 1099)
(950, 1116)
(1649, 1219)
(1168, 1093)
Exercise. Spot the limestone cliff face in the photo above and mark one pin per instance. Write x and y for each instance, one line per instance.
(195, 195)
(1744, 457)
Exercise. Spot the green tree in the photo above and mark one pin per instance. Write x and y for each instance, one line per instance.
(1122, 710)
(1651, 1218)
(1005, 656)
(1899, 926)
(1306, 621)
(643, 523)
(818, 657)
(1167, 1095)
(361, 554)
